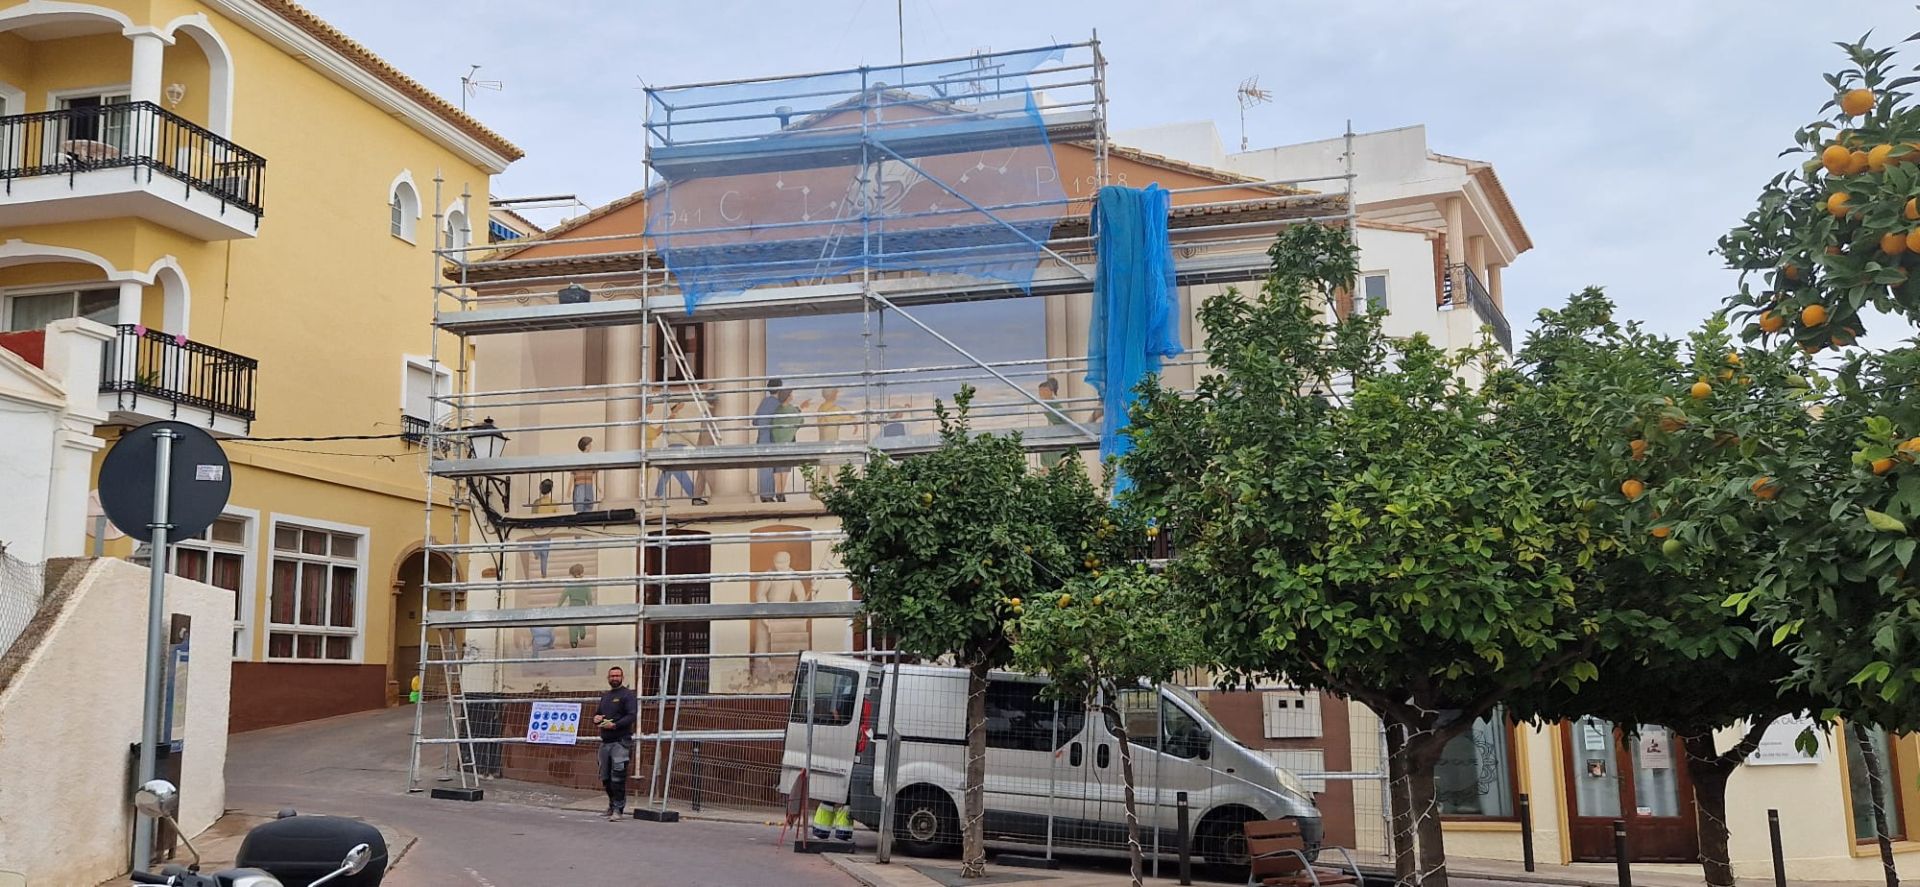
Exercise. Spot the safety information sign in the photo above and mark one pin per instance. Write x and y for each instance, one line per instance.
(554, 723)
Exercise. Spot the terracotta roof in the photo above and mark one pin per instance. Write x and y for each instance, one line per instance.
(1482, 172)
(351, 49)
(506, 270)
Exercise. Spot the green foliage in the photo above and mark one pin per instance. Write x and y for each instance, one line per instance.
(1609, 402)
(940, 544)
(1396, 546)
(1113, 628)
(1794, 252)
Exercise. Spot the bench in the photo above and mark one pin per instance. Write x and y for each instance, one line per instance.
(1277, 857)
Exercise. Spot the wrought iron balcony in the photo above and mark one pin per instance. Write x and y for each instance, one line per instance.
(1462, 286)
(215, 176)
(156, 375)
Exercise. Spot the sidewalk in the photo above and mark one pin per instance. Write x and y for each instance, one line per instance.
(908, 872)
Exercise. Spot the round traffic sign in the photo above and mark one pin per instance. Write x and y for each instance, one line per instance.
(199, 481)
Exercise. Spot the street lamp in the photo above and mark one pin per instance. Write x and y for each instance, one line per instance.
(486, 440)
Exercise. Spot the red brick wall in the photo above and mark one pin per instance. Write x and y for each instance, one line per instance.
(269, 694)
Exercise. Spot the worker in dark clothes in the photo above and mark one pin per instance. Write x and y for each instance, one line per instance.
(618, 709)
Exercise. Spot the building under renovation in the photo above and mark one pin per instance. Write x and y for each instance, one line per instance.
(639, 402)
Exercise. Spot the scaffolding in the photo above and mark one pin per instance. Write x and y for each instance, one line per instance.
(586, 364)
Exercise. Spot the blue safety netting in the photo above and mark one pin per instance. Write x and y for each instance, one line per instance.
(1136, 308)
(932, 167)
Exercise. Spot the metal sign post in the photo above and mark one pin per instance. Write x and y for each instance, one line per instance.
(157, 528)
(190, 481)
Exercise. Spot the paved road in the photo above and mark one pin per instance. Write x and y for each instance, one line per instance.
(356, 766)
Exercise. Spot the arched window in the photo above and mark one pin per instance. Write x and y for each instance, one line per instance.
(403, 205)
(458, 233)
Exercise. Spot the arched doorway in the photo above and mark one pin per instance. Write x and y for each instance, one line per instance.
(415, 569)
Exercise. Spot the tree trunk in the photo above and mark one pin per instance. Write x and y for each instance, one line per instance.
(1112, 713)
(973, 850)
(1876, 790)
(1709, 776)
(1420, 854)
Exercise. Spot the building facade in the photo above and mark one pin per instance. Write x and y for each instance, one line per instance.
(248, 200)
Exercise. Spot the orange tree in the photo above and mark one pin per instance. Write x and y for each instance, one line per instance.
(943, 548)
(1394, 544)
(1840, 503)
(1105, 631)
(1627, 414)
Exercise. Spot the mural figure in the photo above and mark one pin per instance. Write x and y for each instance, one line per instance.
(583, 482)
(779, 635)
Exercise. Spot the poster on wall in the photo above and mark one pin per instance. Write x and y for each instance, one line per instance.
(554, 723)
(1777, 744)
(1656, 752)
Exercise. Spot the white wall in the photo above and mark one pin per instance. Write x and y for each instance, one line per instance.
(47, 418)
(71, 712)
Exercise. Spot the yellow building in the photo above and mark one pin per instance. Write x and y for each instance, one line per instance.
(250, 201)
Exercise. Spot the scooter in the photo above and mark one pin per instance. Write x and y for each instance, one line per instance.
(160, 800)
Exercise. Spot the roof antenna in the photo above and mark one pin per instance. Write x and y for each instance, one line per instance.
(469, 87)
(1250, 94)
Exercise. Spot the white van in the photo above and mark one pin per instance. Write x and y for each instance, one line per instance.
(1052, 768)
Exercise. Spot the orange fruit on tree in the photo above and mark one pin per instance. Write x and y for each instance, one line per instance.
(1632, 488)
(1838, 200)
(1912, 211)
(1638, 448)
(1771, 322)
(1726, 375)
(1671, 424)
(1855, 102)
(1877, 157)
(1893, 243)
(1813, 315)
(1733, 357)
(1662, 531)
(1764, 487)
(1910, 446)
(1856, 163)
(1791, 271)
(1835, 159)
(1700, 390)
(1882, 466)
(1913, 240)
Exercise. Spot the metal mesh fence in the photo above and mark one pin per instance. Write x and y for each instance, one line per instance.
(22, 587)
(851, 749)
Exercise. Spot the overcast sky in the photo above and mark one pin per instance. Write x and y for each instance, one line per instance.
(1630, 133)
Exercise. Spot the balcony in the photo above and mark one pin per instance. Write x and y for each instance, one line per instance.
(134, 159)
(1462, 286)
(147, 375)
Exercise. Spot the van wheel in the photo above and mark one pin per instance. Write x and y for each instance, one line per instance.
(925, 824)
(1223, 841)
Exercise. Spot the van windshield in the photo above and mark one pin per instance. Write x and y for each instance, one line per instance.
(1199, 709)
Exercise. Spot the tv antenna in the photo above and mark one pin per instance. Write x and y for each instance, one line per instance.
(469, 87)
(1250, 94)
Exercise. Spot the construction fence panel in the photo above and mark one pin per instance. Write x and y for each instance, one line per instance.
(22, 587)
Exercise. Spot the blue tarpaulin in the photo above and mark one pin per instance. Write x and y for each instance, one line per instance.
(1136, 309)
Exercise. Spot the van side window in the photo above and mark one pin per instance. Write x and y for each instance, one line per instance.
(1184, 736)
(833, 694)
(1020, 718)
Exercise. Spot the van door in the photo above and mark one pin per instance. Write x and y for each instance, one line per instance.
(1028, 769)
(1082, 781)
(833, 699)
(1170, 752)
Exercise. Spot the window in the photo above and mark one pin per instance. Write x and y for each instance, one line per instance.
(423, 383)
(1020, 717)
(1374, 288)
(35, 311)
(313, 609)
(403, 206)
(1184, 737)
(95, 120)
(218, 557)
(1474, 776)
(833, 693)
(458, 234)
(1861, 792)
(667, 363)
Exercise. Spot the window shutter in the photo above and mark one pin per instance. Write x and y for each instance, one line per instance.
(419, 404)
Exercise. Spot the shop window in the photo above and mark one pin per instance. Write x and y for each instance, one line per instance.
(1861, 790)
(1474, 776)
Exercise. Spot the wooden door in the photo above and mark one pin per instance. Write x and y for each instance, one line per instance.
(1640, 780)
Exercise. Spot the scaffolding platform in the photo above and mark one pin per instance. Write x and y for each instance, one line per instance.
(1038, 437)
(802, 149)
(621, 614)
(828, 298)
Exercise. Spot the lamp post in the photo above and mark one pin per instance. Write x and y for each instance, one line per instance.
(486, 440)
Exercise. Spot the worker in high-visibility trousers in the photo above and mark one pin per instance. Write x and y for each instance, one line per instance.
(835, 817)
